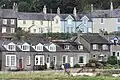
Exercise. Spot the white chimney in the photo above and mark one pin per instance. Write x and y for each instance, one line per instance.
(111, 6)
(58, 10)
(92, 8)
(15, 7)
(45, 9)
(75, 11)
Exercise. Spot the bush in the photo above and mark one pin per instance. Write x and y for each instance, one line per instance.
(76, 66)
(112, 60)
(52, 65)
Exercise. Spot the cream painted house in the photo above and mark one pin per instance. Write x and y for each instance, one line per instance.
(39, 22)
(107, 20)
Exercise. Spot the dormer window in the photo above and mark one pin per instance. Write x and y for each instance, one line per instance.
(105, 47)
(25, 47)
(11, 47)
(52, 48)
(80, 47)
(95, 46)
(39, 48)
(66, 47)
(85, 22)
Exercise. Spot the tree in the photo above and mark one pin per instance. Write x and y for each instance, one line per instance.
(23, 6)
(112, 60)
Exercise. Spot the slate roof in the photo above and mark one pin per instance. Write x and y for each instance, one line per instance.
(8, 13)
(105, 13)
(95, 38)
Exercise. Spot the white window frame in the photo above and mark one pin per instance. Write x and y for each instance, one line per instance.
(24, 21)
(26, 47)
(66, 59)
(4, 21)
(105, 47)
(11, 47)
(12, 30)
(39, 56)
(12, 21)
(80, 47)
(39, 48)
(79, 58)
(85, 22)
(10, 60)
(118, 21)
(4, 30)
(28, 60)
(95, 47)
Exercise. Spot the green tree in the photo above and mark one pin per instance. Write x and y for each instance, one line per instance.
(112, 60)
(23, 6)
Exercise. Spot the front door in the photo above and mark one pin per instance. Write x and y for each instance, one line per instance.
(48, 62)
(71, 61)
(20, 63)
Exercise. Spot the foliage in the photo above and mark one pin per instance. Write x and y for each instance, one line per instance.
(76, 66)
(112, 60)
(65, 5)
(52, 65)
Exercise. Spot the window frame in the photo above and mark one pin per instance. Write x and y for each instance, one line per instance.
(67, 47)
(11, 47)
(69, 21)
(12, 21)
(12, 30)
(24, 21)
(104, 47)
(81, 61)
(66, 59)
(10, 63)
(102, 21)
(25, 47)
(4, 21)
(4, 29)
(39, 59)
(80, 47)
(95, 48)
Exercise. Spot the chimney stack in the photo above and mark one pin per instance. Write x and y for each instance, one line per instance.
(15, 7)
(45, 9)
(75, 12)
(92, 8)
(58, 10)
(111, 6)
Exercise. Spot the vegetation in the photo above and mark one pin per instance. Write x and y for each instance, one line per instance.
(65, 5)
(76, 66)
(49, 76)
(112, 60)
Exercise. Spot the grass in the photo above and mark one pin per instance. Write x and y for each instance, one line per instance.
(49, 76)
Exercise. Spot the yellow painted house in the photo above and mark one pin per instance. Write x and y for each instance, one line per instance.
(39, 22)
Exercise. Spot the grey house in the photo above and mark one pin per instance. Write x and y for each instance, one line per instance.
(26, 55)
(97, 45)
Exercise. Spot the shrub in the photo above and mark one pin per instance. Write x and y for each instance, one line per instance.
(112, 60)
(76, 66)
(52, 65)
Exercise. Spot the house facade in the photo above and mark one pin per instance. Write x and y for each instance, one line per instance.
(98, 46)
(106, 20)
(25, 55)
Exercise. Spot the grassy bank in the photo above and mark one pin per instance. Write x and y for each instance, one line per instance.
(48, 76)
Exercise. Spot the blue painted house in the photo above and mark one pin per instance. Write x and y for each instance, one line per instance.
(70, 23)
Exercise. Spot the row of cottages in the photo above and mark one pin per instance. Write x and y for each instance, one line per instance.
(44, 22)
(106, 20)
(28, 54)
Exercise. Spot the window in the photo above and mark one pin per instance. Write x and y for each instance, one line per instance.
(34, 30)
(69, 21)
(3, 29)
(66, 47)
(12, 30)
(54, 60)
(39, 48)
(118, 20)
(105, 47)
(95, 46)
(85, 22)
(67, 29)
(33, 22)
(24, 21)
(82, 29)
(64, 59)
(10, 60)
(12, 21)
(11, 47)
(119, 28)
(4, 21)
(90, 30)
(118, 54)
(28, 60)
(39, 60)
(113, 54)
(52, 48)
(80, 59)
(25, 47)
(41, 22)
(80, 47)
(101, 20)
(56, 21)
(48, 60)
